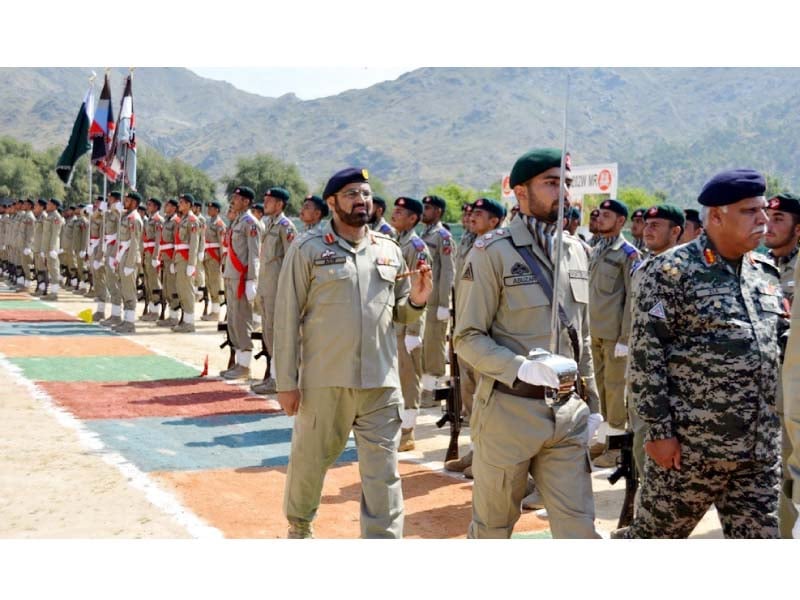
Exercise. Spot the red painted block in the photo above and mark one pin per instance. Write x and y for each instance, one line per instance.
(164, 398)
(35, 316)
(248, 503)
(44, 345)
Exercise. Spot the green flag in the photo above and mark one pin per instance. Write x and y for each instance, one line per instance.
(78, 140)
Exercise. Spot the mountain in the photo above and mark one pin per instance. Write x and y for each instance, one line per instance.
(669, 129)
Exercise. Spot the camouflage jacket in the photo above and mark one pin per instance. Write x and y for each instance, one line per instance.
(705, 356)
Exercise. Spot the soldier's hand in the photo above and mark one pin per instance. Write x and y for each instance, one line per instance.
(189, 270)
(250, 288)
(421, 284)
(289, 401)
(666, 453)
(127, 271)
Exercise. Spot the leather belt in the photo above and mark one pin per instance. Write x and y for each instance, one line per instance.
(524, 390)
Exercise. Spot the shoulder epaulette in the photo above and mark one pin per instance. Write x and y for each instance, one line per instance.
(285, 222)
(764, 260)
(444, 233)
(629, 249)
(418, 244)
(386, 228)
(306, 236)
(489, 238)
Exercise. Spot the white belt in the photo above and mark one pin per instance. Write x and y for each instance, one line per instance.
(181, 246)
(212, 245)
(167, 246)
(93, 244)
(110, 238)
(149, 245)
(122, 249)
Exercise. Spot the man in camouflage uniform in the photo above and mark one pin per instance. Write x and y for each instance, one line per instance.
(128, 258)
(521, 424)
(705, 360)
(783, 233)
(611, 266)
(377, 222)
(184, 264)
(166, 246)
(212, 263)
(313, 211)
(243, 245)
(151, 237)
(51, 240)
(111, 219)
(791, 400)
(346, 274)
(405, 216)
(437, 317)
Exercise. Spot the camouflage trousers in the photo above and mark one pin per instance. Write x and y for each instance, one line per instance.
(673, 502)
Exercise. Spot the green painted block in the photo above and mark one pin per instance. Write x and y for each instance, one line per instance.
(24, 305)
(104, 368)
(537, 535)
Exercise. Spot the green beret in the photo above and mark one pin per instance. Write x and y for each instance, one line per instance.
(692, 215)
(615, 206)
(156, 201)
(215, 204)
(279, 193)
(55, 201)
(116, 195)
(134, 196)
(258, 206)
(411, 204)
(785, 202)
(188, 197)
(436, 201)
(666, 211)
(491, 206)
(173, 202)
(533, 162)
(245, 192)
(379, 201)
(639, 212)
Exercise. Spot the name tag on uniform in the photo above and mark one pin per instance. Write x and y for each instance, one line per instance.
(330, 260)
(579, 275)
(513, 280)
(717, 291)
(614, 263)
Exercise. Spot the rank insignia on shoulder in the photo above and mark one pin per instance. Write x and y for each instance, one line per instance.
(445, 234)
(253, 231)
(658, 311)
(709, 255)
(290, 235)
(329, 238)
(479, 243)
(284, 222)
(467, 276)
(447, 249)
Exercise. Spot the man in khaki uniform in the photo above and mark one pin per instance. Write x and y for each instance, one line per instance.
(129, 256)
(611, 266)
(241, 279)
(81, 246)
(51, 240)
(166, 247)
(151, 236)
(442, 248)
(28, 222)
(520, 425)
(96, 256)
(791, 420)
(345, 274)
(313, 211)
(200, 273)
(637, 230)
(67, 246)
(184, 265)
(405, 216)
(111, 229)
(377, 222)
(278, 234)
(212, 264)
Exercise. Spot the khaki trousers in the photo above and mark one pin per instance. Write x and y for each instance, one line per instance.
(112, 279)
(152, 281)
(321, 427)
(213, 279)
(514, 437)
(239, 317)
(434, 344)
(127, 287)
(169, 286)
(410, 368)
(184, 286)
(609, 373)
(99, 281)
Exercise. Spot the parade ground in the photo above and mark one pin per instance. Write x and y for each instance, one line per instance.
(106, 436)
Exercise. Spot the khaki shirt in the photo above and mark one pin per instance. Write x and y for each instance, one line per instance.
(502, 312)
(68, 235)
(442, 248)
(53, 237)
(38, 230)
(384, 227)
(786, 266)
(335, 309)
(215, 238)
(464, 246)
(110, 230)
(244, 247)
(187, 233)
(791, 397)
(278, 234)
(28, 222)
(82, 235)
(610, 271)
(414, 251)
(96, 235)
(151, 236)
(129, 244)
(202, 226)
(166, 244)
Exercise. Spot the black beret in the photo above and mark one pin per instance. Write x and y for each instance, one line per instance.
(785, 202)
(692, 215)
(41, 202)
(99, 198)
(318, 202)
(279, 193)
(380, 202)
(55, 201)
(187, 197)
(198, 203)
(173, 202)
(574, 213)
(639, 212)
(116, 195)
(342, 178)
(490, 205)
(412, 204)
(666, 211)
(245, 192)
(536, 161)
(81, 205)
(156, 201)
(215, 204)
(466, 207)
(731, 186)
(134, 196)
(29, 201)
(616, 206)
(258, 206)
(595, 213)
(435, 201)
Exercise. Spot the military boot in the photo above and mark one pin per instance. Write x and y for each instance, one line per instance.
(51, 297)
(166, 322)
(237, 372)
(149, 316)
(111, 321)
(214, 316)
(299, 530)
(459, 464)
(124, 327)
(98, 316)
(184, 327)
(268, 386)
(406, 440)
(607, 459)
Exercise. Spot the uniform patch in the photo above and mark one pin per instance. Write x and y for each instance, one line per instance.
(512, 280)
(329, 238)
(479, 243)
(446, 250)
(519, 269)
(385, 260)
(253, 231)
(334, 260)
(289, 235)
(327, 254)
(579, 275)
(385, 228)
(658, 311)
(467, 276)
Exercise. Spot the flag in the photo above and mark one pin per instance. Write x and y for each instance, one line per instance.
(102, 128)
(78, 140)
(121, 158)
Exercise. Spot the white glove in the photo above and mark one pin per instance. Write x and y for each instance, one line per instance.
(53, 254)
(41, 254)
(591, 428)
(412, 342)
(250, 289)
(89, 210)
(61, 251)
(27, 252)
(127, 271)
(84, 255)
(201, 257)
(189, 270)
(796, 529)
(172, 268)
(96, 264)
(442, 313)
(620, 350)
(112, 262)
(118, 207)
(103, 206)
(155, 263)
(536, 372)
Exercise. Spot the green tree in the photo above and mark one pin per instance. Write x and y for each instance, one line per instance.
(263, 171)
(454, 196)
(775, 186)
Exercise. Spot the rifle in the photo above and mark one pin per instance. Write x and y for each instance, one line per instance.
(205, 300)
(452, 394)
(223, 326)
(626, 469)
(255, 335)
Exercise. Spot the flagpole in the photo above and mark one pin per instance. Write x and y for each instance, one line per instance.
(91, 82)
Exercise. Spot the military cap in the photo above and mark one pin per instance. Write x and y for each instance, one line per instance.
(173, 202)
(116, 195)
(56, 202)
(215, 204)
(666, 211)
(437, 201)
(319, 203)
(786, 202)
(466, 207)
(187, 197)
(595, 213)
(245, 192)
(692, 215)
(41, 202)
(98, 198)
(379, 201)
(258, 206)
(731, 186)
(156, 201)
(490, 205)
(29, 201)
(134, 196)
(536, 161)
(616, 206)
(279, 193)
(639, 212)
(344, 177)
(412, 204)
(574, 213)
